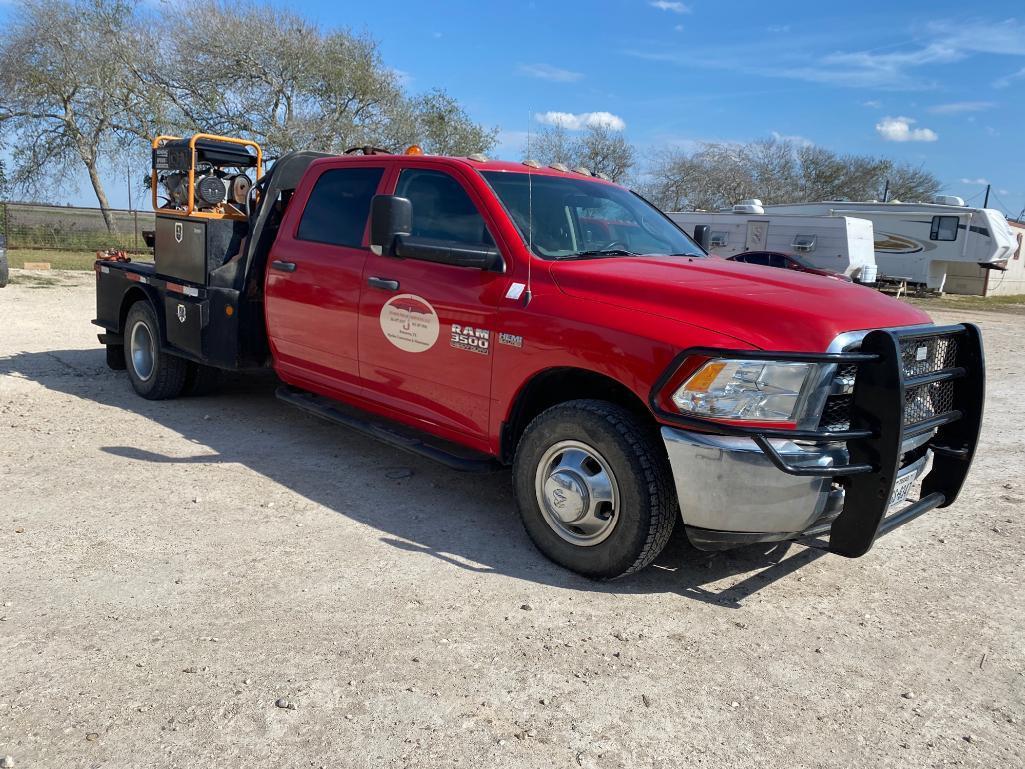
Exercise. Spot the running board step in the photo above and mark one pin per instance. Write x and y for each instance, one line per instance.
(447, 453)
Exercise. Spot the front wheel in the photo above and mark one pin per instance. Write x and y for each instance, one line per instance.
(155, 374)
(594, 488)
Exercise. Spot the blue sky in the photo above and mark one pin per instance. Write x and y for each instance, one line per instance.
(938, 83)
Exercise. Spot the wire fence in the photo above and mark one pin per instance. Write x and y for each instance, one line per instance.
(70, 228)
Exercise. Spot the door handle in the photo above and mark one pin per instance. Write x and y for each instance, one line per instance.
(283, 266)
(385, 283)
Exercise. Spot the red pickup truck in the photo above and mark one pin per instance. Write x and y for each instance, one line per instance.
(487, 313)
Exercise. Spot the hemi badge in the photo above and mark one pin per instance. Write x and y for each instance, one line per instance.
(922, 353)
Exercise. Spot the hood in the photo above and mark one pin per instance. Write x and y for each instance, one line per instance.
(767, 307)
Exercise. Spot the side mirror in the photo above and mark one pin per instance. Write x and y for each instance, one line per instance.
(390, 216)
(475, 255)
(702, 235)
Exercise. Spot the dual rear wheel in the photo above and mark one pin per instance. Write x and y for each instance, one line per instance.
(157, 375)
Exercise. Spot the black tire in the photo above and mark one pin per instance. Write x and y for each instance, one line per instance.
(201, 380)
(646, 509)
(166, 373)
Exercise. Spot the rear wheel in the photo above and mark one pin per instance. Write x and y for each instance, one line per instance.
(155, 374)
(594, 488)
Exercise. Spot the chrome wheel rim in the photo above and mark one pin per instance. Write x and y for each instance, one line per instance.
(143, 350)
(577, 493)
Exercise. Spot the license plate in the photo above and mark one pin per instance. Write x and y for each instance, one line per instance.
(902, 486)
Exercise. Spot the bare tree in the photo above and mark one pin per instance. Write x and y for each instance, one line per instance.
(718, 174)
(61, 90)
(600, 149)
(284, 81)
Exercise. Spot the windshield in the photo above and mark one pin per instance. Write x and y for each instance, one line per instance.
(565, 218)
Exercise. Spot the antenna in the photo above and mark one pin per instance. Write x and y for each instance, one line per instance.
(530, 223)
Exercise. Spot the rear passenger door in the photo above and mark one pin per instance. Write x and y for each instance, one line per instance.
(427, 329)
(315, 276)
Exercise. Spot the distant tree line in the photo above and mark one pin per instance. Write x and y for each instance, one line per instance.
(718, 174)
(85, 83)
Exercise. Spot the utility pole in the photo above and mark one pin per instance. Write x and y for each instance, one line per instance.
(886, 190)
(985, 203)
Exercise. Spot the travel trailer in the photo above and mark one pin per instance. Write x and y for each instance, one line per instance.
(837, 243)
(918, 242)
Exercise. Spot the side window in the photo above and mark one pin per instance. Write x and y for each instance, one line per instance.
(778, 260)
(441, 208)
(718, 240)
(339, 206)
(757, 258)
(943, 228)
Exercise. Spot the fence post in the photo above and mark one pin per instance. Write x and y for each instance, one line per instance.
(135, 219)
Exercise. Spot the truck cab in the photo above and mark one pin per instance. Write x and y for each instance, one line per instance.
(491, 314)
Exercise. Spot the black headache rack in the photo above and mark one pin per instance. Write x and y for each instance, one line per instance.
(909, 383)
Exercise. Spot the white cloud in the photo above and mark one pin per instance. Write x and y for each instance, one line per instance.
(898, 129)
(872, 104)
(794, 138)
(957, 107)
(915, 65)
(1006, 80)
(979, 182)
(548, 72)
(778, 28)
(581, 120)
(663, 5)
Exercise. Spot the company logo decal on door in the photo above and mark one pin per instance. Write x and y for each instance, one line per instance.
(410, 323)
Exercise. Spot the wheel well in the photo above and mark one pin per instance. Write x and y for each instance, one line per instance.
(133, 295)
(554, 386)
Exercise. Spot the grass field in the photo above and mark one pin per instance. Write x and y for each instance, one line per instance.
(1014, 303)
(59, 260)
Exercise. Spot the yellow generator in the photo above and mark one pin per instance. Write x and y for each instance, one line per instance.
(201, 188)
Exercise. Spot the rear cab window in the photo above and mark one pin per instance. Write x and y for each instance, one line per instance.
(339, 206)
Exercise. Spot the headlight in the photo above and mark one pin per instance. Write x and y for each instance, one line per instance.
(758, 391)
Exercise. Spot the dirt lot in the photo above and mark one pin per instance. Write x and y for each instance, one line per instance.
(170, 570)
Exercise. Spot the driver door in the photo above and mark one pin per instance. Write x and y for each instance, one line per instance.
(427, 330)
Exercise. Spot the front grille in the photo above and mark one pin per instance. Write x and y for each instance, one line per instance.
(918, 356)
(929, 355)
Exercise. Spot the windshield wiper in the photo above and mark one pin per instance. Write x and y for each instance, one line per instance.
(599, 252)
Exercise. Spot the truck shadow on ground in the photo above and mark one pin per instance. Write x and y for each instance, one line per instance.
(468, 521)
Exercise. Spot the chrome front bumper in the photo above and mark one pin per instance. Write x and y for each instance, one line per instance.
(729, 484)
(731, 493)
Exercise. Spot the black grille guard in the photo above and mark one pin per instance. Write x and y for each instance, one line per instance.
(878, 427)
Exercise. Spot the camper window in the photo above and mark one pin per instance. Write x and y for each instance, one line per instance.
(719, 239)
(943, 228)
(804, 244)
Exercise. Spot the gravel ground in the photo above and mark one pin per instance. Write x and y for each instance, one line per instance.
(173, 573)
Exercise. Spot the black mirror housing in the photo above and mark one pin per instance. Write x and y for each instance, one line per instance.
(390, 216)
(703, 235)
(479, 256)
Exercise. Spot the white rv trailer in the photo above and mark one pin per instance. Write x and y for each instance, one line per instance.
(917, 241)
(838, 243)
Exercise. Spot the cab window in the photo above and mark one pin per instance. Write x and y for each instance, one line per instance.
(442, 209)
(339, 206)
